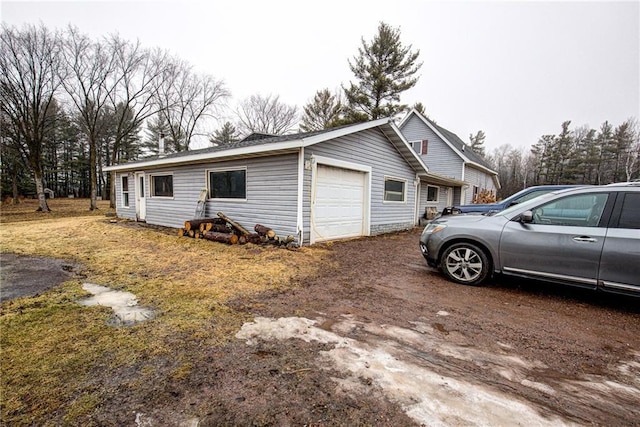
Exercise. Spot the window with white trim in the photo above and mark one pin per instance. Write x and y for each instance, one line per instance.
(162, 185)
(395, 190)
(228, 184)
(125, 191)
(421, 147)
(432, 193)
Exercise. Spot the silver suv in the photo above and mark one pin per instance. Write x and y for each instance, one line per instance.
(587, 236)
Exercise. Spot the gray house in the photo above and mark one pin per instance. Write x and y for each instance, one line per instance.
(446, 154)
(356, 180)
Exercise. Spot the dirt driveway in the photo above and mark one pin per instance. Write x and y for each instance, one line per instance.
(377, 338)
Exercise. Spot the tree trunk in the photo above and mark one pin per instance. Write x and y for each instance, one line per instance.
(93, 173)
(230, 239)
(42, 200)
(234, 224)
(265, 231)
(14, 188)
(193, 224)
(112, 193)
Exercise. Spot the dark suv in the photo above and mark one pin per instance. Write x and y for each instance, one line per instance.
(587, 236)
(521, 196)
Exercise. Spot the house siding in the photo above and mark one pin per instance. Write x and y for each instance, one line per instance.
(423, 204)
(271, 194)
(125, 212)
(440, 158)
(477, 178)
(368, 148)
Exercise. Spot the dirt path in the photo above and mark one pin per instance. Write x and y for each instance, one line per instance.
(379, 339)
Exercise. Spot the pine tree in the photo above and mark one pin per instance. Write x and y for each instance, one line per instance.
(383, 68)
(226, 135)
(477, 142)
(325, 111)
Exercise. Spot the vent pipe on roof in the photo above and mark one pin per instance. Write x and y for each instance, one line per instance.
(161, 144)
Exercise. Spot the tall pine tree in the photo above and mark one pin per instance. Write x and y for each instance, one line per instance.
(384, 68)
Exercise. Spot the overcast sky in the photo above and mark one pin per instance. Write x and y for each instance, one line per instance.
(514, 69)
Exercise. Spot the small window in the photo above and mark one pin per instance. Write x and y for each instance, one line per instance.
(394, 190)
(162, 185)
(125, 191)
(630, 215)
(229, 184)
(420, 147)
(432, 194)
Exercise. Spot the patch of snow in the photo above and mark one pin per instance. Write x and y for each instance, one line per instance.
(388, 360)
(124, 304)
(442, 313)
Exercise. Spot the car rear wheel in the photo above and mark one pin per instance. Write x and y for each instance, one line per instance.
(465, 263)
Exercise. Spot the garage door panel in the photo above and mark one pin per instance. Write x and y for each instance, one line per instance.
(338, 209)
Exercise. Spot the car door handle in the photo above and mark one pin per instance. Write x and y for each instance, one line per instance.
(585, 239)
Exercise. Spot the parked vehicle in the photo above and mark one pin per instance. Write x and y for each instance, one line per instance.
(519, 197)
(586, 236)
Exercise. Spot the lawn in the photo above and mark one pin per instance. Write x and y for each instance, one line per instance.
(57, 356)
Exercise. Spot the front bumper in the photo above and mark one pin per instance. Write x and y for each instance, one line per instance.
(425, 253)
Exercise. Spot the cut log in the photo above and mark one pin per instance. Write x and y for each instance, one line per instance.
(193, 224)
(254, 238)
(234, 224)
(192, 233)
(182, 232)
(206, 226)
(265, 231)
(220, 228)
(230, 239)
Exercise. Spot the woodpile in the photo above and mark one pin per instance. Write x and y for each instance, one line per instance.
(225, 230)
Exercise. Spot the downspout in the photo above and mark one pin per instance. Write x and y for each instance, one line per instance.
(416, 183)
(300, 217)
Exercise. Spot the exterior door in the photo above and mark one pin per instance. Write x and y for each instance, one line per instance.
(338, 203)
(562, 243)
(141, 203)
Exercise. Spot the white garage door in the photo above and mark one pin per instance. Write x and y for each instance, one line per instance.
(338, 209)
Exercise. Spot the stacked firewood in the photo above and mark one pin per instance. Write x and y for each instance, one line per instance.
(225, 230)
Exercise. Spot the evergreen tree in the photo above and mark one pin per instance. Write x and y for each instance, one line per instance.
(383, 68)
(226, 135)
(325, 111)
(419, 108)
(477, 142)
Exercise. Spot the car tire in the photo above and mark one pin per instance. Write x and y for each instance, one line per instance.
(465, 263)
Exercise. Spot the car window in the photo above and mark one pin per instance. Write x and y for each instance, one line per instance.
(630, 215)
(583, 210)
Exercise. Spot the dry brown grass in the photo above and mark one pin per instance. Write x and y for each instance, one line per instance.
(51, 345)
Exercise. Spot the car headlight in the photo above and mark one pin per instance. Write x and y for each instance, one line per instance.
(433, 228)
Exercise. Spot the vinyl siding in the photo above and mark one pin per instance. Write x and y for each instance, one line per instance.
(440, 158)
(478, 178)
(122, 211)
(369, 148)
(439, 205)
(271, 194)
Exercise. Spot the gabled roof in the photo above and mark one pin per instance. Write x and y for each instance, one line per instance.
(463, 150)
(250, 147)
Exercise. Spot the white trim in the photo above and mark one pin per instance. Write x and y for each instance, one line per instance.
(366, 203)
(152, 186)
(226, 169)
(404, 190)
(328, 161)
(437, 187)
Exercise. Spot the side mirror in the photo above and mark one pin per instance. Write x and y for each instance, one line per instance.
(526, 217)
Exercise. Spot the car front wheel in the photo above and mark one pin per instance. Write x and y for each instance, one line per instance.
(465, 263)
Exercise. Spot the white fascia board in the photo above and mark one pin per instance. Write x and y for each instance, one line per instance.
(408, 146)
(405, 118)
(343, 131)
(242, 151)
(483, 168)
(446, 141)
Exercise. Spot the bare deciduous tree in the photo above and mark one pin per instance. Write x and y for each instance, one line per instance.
(136, 72)
(183, 98)
(90, 65)
(29, 81)
(266, 115)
